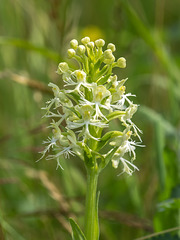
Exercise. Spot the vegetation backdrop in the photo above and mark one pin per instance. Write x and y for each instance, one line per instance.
(36, 200)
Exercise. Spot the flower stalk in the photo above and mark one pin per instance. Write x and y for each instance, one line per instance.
(91, 210)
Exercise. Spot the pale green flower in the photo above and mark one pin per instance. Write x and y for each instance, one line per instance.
(101, 99)
(125, 145)
(86, 119)
(119, 91)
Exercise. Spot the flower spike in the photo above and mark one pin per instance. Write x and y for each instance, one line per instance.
(92, 97)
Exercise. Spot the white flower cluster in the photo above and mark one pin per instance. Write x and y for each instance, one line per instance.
(82, 111)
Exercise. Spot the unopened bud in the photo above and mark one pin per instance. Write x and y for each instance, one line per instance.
(121, 62)
(90, 44)
(85, 40)
(81, 49)
(108, 54)
(112, 47)
(109, 61)
(100, 43)
(74, 43)
(71, 53)
(62, 68)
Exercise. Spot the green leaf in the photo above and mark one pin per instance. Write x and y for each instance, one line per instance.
(97, 65)
(103, 79)
(97, 218)
(9, 229)
(30, 46)
(88, 158)
(104, 140)
(172, 203)
(99, 156)
(88, 94)
(159, 144)
(102, 72)
(114, 115)
(77, 234)
(153, 39)
(72, 109)
(156, 117)
(74, 96)
(108, 158)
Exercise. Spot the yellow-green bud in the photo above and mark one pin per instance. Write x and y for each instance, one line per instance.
(109, 61)
(85, 40)
(71, 53)
(108, 54)
(112, 47)
(90, 44)
(121, 62)
(81, 49)
(74, 43)
(100, 43)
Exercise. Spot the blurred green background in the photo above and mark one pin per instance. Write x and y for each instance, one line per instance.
(36, 200)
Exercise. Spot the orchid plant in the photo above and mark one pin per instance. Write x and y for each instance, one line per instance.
(81, 112)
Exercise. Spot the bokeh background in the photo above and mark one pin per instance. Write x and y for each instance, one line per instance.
(36, 200)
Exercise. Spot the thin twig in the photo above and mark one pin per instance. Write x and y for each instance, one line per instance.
(123, 218)
(54, 193)
(31, 83)
(159, 233)
(127, 219)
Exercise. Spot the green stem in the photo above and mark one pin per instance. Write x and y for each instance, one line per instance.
(91, 212)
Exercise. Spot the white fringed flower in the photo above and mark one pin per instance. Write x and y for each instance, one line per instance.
(92, 97)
